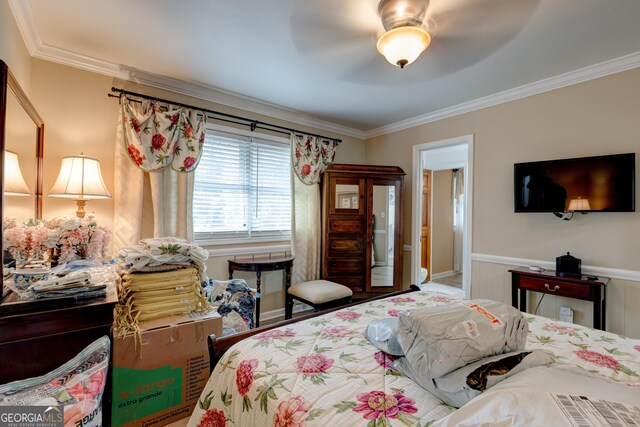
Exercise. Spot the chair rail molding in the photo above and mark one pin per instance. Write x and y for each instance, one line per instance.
(613, 273)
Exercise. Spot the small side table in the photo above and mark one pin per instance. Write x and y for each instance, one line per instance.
(547, 282)
(258, 266)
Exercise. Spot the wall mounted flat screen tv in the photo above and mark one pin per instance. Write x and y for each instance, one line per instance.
(587, 184)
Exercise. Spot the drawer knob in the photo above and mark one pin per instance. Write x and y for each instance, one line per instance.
(555, 288)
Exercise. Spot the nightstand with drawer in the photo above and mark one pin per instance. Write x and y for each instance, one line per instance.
(547, 282)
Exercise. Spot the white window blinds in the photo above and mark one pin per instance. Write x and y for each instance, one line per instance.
(242, 188)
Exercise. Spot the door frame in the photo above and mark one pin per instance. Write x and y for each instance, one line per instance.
(416, 206)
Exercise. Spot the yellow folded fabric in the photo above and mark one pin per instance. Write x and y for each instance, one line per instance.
(147, 296)
(177, 284)
(170, 291)
(167, 275)
(142, 301)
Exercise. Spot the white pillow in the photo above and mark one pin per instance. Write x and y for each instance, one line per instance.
(549, 396)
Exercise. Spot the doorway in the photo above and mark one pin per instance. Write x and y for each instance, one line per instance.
(442, 172)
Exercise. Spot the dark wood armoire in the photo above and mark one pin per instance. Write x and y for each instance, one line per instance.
(362, 225)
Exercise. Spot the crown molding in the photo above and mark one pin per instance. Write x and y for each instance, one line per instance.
(234, 100)
(23, 14)
(25, 19)
(591, 72)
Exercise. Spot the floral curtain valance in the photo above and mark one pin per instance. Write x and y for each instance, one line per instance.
(156, 139)
(310, 156)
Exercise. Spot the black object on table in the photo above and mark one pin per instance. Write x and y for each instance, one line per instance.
(584, 288)
(258, 266)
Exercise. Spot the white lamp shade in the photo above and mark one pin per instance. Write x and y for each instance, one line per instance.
(579, 204)
(403, 45)
(80, 177)
(14, 183)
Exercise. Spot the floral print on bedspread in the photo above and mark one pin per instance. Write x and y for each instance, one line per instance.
(323, 369)
(598, 352)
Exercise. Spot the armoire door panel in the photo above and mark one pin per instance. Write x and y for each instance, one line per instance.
(346, 265)
(347, 196)
(341, 245)
(344, 226)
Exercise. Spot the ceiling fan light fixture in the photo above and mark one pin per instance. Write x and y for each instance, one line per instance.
(403, 45)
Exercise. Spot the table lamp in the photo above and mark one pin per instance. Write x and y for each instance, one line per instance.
(80, 179)
(579, 204)
(14, 183)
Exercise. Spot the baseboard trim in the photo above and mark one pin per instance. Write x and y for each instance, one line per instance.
(613, 273)
(436, 276)
(279, 312)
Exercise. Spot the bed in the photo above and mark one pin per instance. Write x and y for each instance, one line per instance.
(322, 370)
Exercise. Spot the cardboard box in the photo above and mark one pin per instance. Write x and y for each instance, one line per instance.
(163, 382)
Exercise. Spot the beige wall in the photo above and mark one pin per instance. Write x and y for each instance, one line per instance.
(441, 223)
(79, 117)
(12, 48)
(591, 118)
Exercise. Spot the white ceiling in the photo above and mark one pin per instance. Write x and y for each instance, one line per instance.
(318, 57)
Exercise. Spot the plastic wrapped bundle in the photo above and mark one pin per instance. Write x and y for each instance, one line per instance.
(438, 340)
(77, 385)
(458, 387)
(383, 334)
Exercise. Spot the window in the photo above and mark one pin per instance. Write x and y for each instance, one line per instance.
(242, 189)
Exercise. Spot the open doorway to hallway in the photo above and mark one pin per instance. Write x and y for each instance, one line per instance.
(441, 216)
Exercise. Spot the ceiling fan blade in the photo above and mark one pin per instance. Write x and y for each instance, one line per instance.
(323, 33)
(484, 17)
(470, 31)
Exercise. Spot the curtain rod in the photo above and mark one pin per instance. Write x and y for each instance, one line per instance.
(253, 124)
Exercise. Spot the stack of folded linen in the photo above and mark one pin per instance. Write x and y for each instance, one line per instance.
(148, 296)
(458, 350)
(165, 254)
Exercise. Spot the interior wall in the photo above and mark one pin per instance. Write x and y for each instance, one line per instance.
(12, 48)
(596, 117)
(79, 117)
(441, 223)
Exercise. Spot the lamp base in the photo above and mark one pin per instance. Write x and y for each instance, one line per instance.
(80, 203)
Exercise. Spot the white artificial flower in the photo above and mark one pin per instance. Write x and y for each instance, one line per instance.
(70, 224)
(52, 239)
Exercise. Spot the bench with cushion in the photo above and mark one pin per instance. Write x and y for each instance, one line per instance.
(319, 294)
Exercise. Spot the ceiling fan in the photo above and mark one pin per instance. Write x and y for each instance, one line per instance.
(457, 33)
(405, 36)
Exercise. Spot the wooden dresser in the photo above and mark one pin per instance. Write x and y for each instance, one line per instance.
(362, 227)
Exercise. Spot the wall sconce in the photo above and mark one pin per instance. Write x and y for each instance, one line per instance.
(14, 183)
(80, 179)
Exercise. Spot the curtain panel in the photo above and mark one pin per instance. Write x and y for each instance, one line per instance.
(310, 156)
(152, 199)
(155, 139)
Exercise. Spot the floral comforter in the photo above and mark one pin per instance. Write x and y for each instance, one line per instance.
(324, 372)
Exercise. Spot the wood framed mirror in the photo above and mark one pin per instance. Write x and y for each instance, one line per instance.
(22, 143)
